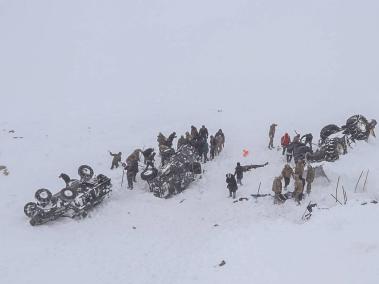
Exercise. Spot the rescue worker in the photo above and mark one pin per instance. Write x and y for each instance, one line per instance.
(287, 172)
(271, 135)
(299, 170)
(149, 157)
(232, 185)
(290, 149)
(116, 159)
(129, 175)
(310, 178)
(285, 141)
(308, 138)
(239, 173)
(181, 141)
(194, 132)
(188, 138)
(204, 149)
(203, 132)
(277, 189)
(213, 145)
(372, 126)
(299, 188)
(222, 135)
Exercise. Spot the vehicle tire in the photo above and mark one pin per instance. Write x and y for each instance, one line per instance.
(149, 174)
(68, 194)
(85, 172)
(358, 127)
(30, 208)
(329, 130)
(43, 195)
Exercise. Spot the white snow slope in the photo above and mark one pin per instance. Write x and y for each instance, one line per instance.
(79, 78)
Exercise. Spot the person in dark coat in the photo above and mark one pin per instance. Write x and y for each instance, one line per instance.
(213, 145)
(308, 138)
(231, 185)
(182, 141)
(239, 173)
(194, 132)
(131, 172)
(222, 135)
(116, 159)
(204, 149)
(149, 157)
(203, 132)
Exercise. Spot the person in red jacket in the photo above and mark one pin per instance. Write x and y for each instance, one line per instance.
(286, 140)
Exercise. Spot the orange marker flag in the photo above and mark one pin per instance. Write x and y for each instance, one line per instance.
(245, 153)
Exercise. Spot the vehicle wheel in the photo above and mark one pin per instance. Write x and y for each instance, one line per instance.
(332, 147)
(43, 195)
(85, 172)
(358, 127)
(149, 174)
(329, 130)
(30, 208)
(68, 194)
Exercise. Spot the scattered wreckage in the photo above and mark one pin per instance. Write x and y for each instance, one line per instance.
(180, 169)
(335, 140)
(75, 200)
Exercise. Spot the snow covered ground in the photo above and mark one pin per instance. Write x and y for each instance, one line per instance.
(80, 78)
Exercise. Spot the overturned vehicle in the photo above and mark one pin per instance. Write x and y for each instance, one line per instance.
(75, 200)
(334, 140)
(177, 173)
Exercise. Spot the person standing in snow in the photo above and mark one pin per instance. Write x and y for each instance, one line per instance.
(239, 173)
(220, 136)
(310, 178)
(285, 141)
(299, 188)
(203, 132)
(204, 149)
(213, 145)
(299, 170)
(308, 138)
(194, 132)
(277, 189)
(271, 135)
(116, 159)
(287, 172)
(231, 185)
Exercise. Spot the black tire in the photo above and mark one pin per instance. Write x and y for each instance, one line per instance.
(30, 208)
(333, 149)
(85, 172)
(43, 195)
(68, 194)
(358, 127)
(149, 174)
(329, 130)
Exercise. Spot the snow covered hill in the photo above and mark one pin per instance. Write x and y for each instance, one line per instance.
(80, 78)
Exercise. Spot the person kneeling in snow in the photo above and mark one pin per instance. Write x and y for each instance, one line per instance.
(232, 185)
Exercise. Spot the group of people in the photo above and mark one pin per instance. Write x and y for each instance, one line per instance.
(199, 140)
(299, 182)
(196, 138)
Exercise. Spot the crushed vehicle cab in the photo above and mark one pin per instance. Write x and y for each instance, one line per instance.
(176, 175)
(75, 200)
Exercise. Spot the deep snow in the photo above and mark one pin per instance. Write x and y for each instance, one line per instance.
(81, 78)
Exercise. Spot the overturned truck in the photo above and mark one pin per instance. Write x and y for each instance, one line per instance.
(335, 140)
(178, 172)
(75, 200)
